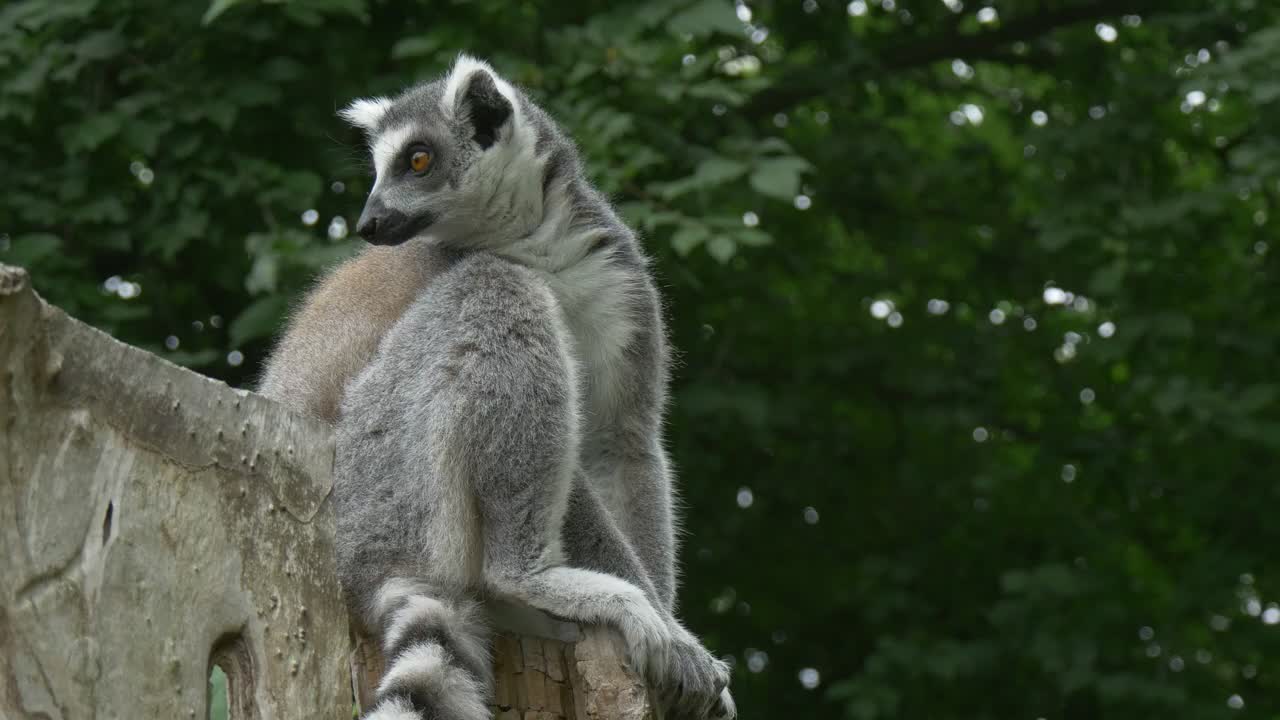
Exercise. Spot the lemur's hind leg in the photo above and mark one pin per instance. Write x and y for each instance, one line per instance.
(408, 542)
(509, 424)
(512, 429)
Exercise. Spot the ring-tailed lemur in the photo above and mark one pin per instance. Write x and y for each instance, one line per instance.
(496, 367)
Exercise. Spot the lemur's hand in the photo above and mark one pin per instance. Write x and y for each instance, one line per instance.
(695, 683)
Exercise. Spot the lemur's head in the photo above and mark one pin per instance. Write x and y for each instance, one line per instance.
(456, 159)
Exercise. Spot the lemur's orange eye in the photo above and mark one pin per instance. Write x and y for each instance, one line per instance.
(420, 161)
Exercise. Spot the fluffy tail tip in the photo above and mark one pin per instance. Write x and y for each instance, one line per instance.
(438, 662)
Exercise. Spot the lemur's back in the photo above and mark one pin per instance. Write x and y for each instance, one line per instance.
(335, 332)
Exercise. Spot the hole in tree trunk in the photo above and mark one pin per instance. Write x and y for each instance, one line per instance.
(106, 522)
(232, 681)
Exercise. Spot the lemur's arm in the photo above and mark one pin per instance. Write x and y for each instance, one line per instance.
(652, 522)
(592, 540)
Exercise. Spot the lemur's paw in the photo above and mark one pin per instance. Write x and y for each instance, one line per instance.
(695, 686)
(648, 639)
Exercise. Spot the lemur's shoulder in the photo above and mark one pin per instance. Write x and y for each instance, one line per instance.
(334, 332)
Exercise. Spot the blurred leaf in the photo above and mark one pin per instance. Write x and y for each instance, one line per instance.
(416, 46)
(197, 359)
(779, 177)
(92, 132)
(260, 319)
(216, 9)
(722, 248)
(1256, 398)
(752, 237)
(688, 236)
(713, 171)
(1107, 279)
(29, 250)
(705, 17)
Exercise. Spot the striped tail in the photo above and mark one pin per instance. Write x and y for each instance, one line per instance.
(438, 664)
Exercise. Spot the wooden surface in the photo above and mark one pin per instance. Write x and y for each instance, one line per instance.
(544, 669)
(154, 523)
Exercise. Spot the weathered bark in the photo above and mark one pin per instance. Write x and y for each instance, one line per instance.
(579, 677)
(154, 523)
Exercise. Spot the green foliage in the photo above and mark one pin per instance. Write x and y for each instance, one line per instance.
(977, 411)
(217, 694)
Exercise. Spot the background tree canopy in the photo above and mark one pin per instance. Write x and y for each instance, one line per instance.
(977, 410)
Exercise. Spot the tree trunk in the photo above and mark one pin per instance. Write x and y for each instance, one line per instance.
(156, 524)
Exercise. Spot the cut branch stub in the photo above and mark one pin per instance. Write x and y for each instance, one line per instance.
(544, 669)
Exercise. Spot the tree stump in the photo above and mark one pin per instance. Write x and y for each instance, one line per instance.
(156, 524)
(544, 669)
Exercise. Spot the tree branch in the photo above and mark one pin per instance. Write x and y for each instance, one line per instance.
(991, 45)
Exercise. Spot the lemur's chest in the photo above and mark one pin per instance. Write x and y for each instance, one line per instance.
(598, 305)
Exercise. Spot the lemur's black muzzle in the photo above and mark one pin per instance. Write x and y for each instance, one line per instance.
(380, 225)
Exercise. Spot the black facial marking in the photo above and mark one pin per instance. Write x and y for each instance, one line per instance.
(486, 107)
(381, 225)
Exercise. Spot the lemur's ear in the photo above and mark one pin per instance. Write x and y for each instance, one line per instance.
(480, 100)
(366, 113)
